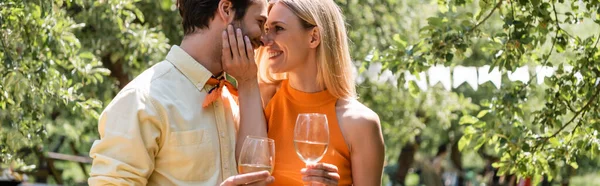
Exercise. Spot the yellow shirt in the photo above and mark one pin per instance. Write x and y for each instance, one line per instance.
(155, 131)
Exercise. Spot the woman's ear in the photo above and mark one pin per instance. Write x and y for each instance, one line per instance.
(315, 37)
(225, 11)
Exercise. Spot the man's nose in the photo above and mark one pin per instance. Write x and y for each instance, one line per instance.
(265, 39)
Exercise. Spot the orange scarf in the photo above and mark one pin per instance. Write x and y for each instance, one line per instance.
(217, 91)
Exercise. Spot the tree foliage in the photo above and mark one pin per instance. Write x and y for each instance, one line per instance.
(63, 61)
(510, 34)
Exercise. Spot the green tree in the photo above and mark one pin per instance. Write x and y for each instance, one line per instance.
(546, 33)
(63, 61)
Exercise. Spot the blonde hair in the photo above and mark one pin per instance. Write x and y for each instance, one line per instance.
(334, 65)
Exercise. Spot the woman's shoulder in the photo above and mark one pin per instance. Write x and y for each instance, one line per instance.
(267, 91)
(358, 122)
(356, 116)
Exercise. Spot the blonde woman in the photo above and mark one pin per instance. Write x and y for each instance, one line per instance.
(306, 41)
(305, 67)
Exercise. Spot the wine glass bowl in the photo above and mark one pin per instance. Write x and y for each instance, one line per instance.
(257, 154)
(311, 137)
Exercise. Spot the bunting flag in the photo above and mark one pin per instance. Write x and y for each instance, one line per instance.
(453, 78)
(577, 74)
(465, 74)
(493, 76)
(542, 72)
(520, 74)
(421, 80)
(440, 74)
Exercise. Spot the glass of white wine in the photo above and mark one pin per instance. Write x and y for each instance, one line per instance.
(257, 154)
(311, 136)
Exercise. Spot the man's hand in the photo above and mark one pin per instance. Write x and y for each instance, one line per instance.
(254, 178)
(238, 55)
(326, 174)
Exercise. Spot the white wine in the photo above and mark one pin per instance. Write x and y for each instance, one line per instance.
(310, 152)
(248, 168)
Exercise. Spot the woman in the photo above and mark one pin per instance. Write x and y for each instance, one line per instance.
(306, 41)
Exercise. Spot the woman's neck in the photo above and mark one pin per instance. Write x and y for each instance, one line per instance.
(305, 78)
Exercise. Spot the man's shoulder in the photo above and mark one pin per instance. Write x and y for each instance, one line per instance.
(154, 75)
(151, 83)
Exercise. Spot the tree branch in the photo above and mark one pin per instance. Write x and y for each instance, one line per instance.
(4, 44)
(597, 39)
(587, 105)
(582, 110)
(488, 16)
(575, 128)
(569, 106)
(549, 53)
(557, 22)
(81, 164)
(116, 70)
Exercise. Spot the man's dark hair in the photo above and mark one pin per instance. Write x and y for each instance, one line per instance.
(197, 14)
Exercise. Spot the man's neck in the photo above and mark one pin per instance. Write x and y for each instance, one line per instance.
(201, 46)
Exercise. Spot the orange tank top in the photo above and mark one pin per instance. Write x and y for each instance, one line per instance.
(281, 112)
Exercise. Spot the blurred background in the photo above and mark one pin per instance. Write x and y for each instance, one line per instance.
(469, 92)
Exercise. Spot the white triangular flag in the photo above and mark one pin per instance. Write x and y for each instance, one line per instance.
(520, 74)
(465, 74)
(543, 72)
(494, 76)
(441, 74)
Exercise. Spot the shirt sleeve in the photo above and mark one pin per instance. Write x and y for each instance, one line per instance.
(130, 137)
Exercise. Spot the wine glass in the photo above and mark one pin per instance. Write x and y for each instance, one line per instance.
(311, 136)
(257, 154)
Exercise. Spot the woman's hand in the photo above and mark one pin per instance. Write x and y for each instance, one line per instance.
(326, 174)
(238, 55)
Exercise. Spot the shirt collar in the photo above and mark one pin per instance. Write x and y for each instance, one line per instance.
(187, 65)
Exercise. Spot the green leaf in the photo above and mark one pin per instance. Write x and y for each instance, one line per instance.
(554, 141)
(139, 14)
(480, 143)
(480, 124)
(413, 89)
(574, 164)
(400, 41)
(443, 8)
(464, 141)
(449, 57)
(434, 21)
(470, 130)
(467, 119)
(86, 55)
(482, 113)
(548, 82)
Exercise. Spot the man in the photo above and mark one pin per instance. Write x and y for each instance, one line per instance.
(176, 123)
